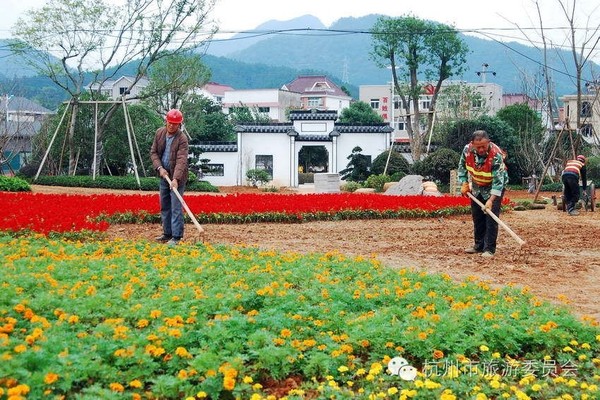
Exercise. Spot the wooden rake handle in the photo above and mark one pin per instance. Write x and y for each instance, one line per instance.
(495, 218)
(187, 209)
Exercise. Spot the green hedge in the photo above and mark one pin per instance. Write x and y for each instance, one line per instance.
(13, 184)
(117, 182)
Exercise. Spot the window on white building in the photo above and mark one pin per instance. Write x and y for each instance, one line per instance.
(315, 101)
(587, 130)
(265, 110)
(586, 109)
(401, 124)
(264, 162)
(374, 104)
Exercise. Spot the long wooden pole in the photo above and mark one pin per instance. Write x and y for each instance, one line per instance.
(187, 209)
(495, 218)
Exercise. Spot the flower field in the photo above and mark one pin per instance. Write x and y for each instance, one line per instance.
(99, 319)
(60, 213)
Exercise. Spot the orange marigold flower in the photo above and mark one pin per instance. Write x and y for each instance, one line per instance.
(437, 354)
(142, 323)
(50, 378)
(285, 333)
(116, 387)
(21, 348)
(182, 352)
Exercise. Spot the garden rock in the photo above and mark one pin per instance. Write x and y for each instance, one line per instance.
(410, 185)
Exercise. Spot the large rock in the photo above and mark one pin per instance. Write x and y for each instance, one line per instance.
(408, 186)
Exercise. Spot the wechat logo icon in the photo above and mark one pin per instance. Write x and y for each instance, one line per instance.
(399, 366)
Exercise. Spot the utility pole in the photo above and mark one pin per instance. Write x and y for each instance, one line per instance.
(484, 71)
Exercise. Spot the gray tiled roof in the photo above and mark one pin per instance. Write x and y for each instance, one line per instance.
(379, 128)
(313, 138)
(313, 115)
(225, 147)
(265, 128)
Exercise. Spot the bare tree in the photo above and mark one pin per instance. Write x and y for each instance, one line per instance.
(67, 38)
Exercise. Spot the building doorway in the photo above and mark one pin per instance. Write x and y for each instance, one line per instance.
(312, 160)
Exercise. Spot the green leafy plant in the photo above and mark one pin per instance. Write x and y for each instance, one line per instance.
(258, 177)
(377, 181)
(13, 184)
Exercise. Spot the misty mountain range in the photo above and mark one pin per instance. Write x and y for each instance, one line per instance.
(276, 52)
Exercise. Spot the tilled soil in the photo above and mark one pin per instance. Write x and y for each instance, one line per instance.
(560, 261)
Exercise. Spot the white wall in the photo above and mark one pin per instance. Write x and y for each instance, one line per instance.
(371, 145)
(274, 144)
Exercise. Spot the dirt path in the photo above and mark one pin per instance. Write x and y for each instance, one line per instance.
(560, 262)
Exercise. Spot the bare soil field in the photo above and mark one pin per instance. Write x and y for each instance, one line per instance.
(560, 261)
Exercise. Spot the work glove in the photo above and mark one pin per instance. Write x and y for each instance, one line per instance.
(488, 204)
(464, 189)
(163, 173)
(174, 184)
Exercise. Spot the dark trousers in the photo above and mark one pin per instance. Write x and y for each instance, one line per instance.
(171, 211)
(571, 190)
(485, 230)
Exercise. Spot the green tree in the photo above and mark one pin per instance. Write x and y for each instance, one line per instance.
(457, 102)
(438, 164)
(205, 120)
(243, 114)
(529, 130)
(88, 34)
(357, 169)
(419, 50)
(456, 135)
(118, 158)
(360, 113)
(173, 79)
(397, 163)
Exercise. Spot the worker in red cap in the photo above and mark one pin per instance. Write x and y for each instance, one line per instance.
(574, 170)
(169, 155)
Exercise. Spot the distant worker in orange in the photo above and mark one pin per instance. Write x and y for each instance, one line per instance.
(574, 170)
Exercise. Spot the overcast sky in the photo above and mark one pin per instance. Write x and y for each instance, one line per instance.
(497, 18)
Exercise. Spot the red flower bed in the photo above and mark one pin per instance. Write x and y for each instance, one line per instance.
(45, 213)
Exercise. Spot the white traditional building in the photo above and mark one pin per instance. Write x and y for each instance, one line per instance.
(275, 147)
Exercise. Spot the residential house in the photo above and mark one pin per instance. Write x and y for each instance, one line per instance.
(589, 114)
(319, 92)
(276, 147)
(489, 102)
(272, 103)
(214, 91)
(116, 89)
(21, 121)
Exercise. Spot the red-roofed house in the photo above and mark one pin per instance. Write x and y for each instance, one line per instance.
(214, 91)
(319, 92)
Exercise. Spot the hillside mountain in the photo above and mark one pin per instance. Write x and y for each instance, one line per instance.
(12, 66)
(276, 52)
(343, 50)
(247, 39)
